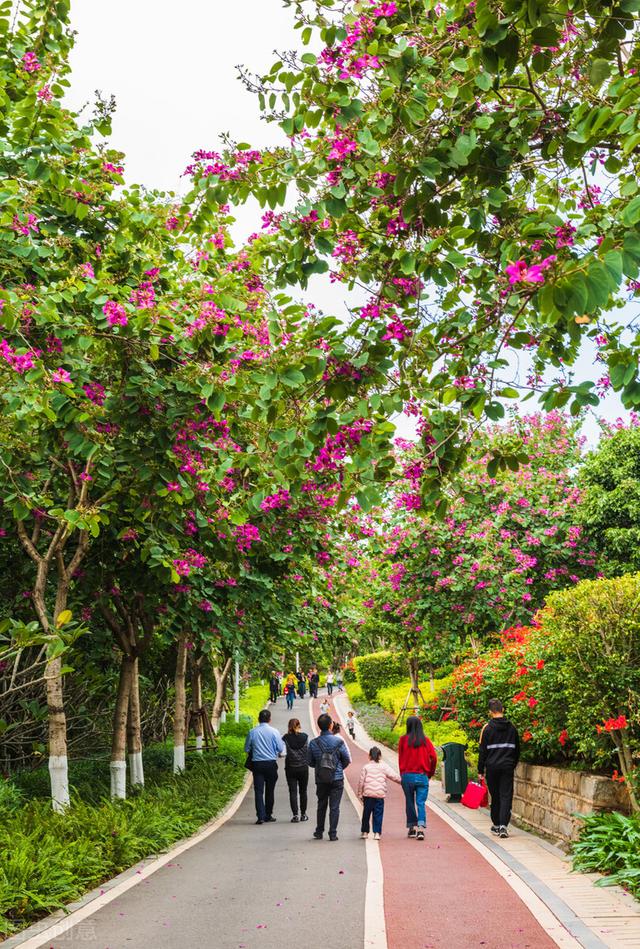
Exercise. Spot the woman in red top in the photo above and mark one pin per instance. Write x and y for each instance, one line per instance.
(417, 760)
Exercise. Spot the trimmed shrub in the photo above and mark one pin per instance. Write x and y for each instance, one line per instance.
(378, 670)
(354, 692)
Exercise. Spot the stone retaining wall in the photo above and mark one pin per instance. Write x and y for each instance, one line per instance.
(547, 799)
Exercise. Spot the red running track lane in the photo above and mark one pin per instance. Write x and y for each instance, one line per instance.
(440, 893)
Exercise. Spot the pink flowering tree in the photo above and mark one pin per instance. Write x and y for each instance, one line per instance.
(507, 541)
(472, 170)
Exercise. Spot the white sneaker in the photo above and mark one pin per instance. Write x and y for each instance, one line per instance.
(376, 836)
(363, 836)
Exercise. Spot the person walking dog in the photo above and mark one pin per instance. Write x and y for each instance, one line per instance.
(499, 754)
(296, 768)
(264, 746)
(372, 790)
(328, 755)
(417, 759)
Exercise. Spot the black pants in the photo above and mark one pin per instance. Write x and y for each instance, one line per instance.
(273, 693)
(329, 794)
(265, 775)
(500, 784)
(313, 689)
(329, 687)
(297, 779)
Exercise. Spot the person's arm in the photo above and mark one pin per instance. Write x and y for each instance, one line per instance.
(360, 790)
(247, 742)
(401, 745)
(517, 743)
(280, 745)
(433, 758)
(482, 753)
(390, 773)
(311, 761)
(343, 753)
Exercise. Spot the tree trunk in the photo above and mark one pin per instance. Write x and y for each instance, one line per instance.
(180, 706)
(134, 729)
(196, 703)
(221, 676)
(118, 764)
(414, 672)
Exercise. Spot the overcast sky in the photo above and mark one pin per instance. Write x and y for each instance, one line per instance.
(171, 66)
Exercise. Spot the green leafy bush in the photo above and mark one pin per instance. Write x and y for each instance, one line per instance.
(354, 692)
(378, 670)
(610, 843)
(51, 859)
(10, 796)
(239, 729)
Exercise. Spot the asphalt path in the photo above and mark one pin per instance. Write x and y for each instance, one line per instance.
(245, 886)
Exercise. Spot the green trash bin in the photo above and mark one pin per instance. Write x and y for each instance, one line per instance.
(454, 770)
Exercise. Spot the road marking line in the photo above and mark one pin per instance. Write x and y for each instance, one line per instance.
(93, 905)
(375, 931)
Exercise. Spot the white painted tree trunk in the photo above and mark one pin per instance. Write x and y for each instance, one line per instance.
(59, 778)
(118, 771)
(179, 715)
(178, 759)
(199, 743)
(136, 769)
(134, 730)
(118, 763)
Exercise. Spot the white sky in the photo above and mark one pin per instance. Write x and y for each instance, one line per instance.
(171, 66)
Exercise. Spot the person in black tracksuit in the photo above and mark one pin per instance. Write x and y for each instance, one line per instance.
(296, 769)
(499, 755)
(274, 688)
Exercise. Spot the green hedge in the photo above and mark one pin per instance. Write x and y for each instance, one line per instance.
(378, 670)
(392, 697)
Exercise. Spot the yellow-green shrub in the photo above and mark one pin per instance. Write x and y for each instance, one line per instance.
(392, 697)
(253, 699)
(354, 691)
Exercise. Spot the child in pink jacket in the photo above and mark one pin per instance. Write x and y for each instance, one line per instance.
(372, 789)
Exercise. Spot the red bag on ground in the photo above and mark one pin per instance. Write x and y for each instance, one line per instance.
(475, 795)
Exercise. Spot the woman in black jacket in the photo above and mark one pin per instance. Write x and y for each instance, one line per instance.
(296, 769)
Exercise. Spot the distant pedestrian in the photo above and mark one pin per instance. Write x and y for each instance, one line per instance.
(498, 757)
(351, 724)
(314, 682)
(339, 681)
(290, 691)
(296, 769)
(417, 759)
(372, 790)
(265, 746)
(329, 756)
(329, 682)
(302, 684)
(274, 688)
(324, 707)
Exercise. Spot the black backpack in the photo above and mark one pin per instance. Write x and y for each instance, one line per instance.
(326, 767)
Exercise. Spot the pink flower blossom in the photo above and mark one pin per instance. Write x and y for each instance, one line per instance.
(30, 63)
(60, 375)
(115, 313)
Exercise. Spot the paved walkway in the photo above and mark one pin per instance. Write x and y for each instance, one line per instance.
(248, 887)
(244, 887)
(572, 910)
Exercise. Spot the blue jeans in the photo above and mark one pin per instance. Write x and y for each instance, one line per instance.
(290, 698)
(375, 806)
(416, 791)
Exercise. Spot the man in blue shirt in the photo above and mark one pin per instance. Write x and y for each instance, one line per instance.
(329, 791)
(265, 746)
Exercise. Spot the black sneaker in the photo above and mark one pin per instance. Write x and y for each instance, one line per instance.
(271, 820)
(295, 819)
(335, 837)
(495, 829)
(259, 821)
(317, 836)
(412, 832)
(503, 832)
(420, 835)
(303, 817)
